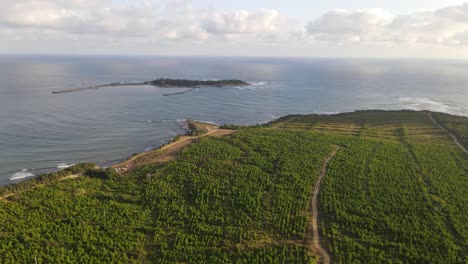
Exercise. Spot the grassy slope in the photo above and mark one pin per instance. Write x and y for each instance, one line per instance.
(394, 192)
(457, 125)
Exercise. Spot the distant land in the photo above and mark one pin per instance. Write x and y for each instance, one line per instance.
(165, 83)
(362, 187)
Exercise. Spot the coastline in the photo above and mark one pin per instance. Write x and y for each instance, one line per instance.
(169, 150)
(162, 154)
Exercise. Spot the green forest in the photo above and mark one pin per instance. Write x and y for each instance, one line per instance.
(395, 192)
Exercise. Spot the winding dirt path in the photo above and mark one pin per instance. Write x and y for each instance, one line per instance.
(314, 236)
(455, 139)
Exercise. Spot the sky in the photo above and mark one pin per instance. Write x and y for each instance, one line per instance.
(296, 28)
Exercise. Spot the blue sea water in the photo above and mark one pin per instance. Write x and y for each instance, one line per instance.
(40, 131)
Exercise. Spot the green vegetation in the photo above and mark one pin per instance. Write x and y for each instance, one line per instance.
(90, 219)
(234, 199)
(381, 204)
(236, 194)
(457, 125)
(395, 192)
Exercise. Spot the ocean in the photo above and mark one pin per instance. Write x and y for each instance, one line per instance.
(41, 131)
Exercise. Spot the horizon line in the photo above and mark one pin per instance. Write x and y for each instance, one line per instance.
(230, 56)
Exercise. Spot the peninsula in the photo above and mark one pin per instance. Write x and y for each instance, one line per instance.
(165, 83)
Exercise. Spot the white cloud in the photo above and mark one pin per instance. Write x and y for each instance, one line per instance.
(77, 16)
(342, 21)
(148, 25)
(349, 26)
(173, 21)
(445, 26)
(32, 13)
(244, 22)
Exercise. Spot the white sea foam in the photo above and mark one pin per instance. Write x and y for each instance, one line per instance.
(183, 123)
(148, 149)
(252, 85)
(21, 175)
(64, 165)
(258, 83)
(418, 104)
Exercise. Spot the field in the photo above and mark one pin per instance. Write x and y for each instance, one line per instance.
(395, 192)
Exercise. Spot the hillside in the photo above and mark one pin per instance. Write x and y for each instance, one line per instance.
(393, 189)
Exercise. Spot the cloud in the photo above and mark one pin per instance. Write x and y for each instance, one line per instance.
(148, 25)
(244, 22)
(176, 20)
(77, 16)
(32, 13)
(343, 22)
(445, 26)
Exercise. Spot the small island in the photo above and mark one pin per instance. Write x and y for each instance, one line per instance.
(166, 83)
(178, 83)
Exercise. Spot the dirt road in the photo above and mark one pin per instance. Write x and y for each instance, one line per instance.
(314, 236)
(168, 152)
(455, 139)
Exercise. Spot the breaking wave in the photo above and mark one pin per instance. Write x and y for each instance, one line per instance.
(183, 124)
(64, 165)
(258, 83)
(252, 85)
(207, 122)
(21, 175)
(418, 104)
